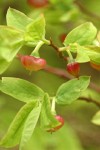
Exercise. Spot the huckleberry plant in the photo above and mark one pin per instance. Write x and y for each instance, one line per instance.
(22, 30)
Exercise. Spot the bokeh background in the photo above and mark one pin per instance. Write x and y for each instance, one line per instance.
(78, 132)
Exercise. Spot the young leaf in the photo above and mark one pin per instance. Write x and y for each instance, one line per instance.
(21, 89)
(71, 90)
(88, 53)
(96, 118)
(82, 56)
(36, 30)
(83, 34)
(17, 19)
(11, 41)
(13, 136)
(94, 53)
(29, 125)
(47, 119)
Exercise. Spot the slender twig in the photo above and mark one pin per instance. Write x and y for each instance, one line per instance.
(53, 45)
(59, 72)
(90, 100)
(86, 11)
(63, 73)
(57, 50)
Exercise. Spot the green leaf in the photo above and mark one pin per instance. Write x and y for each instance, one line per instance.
(83, 34)
(82, 56)
(88, 53)
(72, 90)
(13, 136)
(98, 37)
(96, 118)
(29, 126)
(11, 41)
(47, 119)
(21, 89)
(17, 19)
(94, 53)
(35, 31)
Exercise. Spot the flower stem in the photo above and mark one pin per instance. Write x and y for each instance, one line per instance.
(53, 106)
(70, 55)
(35, 51)
(46, 41)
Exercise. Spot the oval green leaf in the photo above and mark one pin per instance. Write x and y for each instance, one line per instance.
(71, 90)
(35, 31)
(17, 19)
(13, 136)
(88, 53)
(21, 89)
(82, 55)
(11, 40)
(83, 34)
(29, 125)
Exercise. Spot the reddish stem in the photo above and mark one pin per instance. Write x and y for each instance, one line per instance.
(64, 74)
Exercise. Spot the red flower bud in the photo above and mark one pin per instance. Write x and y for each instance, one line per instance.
(37, 3)
(61, 120)
(32, 63)
(73, 68)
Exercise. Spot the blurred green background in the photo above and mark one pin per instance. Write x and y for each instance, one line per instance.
(78, 132)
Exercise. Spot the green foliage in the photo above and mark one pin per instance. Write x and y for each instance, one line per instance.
(47, 118)
(94, 53)
(96, 118)
(83, 34)
(29, 126)
(13, 136)
(11, 41)
(35, 31)
(17, 19)
(82, 55)
(72, 90)
(22, 30)
(21, 89)
(88, 53)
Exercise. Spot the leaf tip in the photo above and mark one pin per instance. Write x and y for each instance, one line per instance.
(96, 119)
(10, 9)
